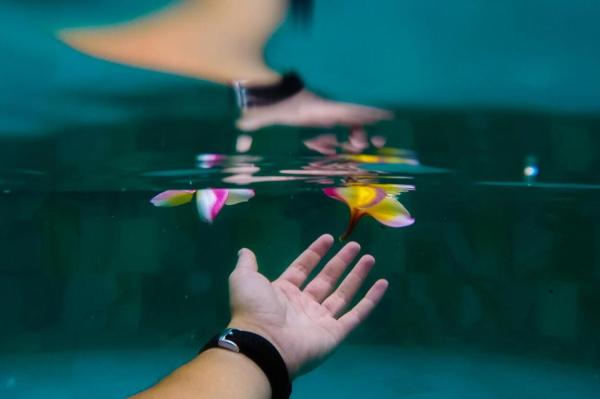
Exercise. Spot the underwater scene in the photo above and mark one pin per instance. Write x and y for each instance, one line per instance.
(126, 192)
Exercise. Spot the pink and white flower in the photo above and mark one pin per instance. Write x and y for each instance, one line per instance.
(209, 201)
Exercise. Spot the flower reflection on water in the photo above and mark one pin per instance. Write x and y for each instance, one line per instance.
(338, 165)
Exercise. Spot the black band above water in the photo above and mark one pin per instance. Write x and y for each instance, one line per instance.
(302, 10)
(261, 352)
(253, 96)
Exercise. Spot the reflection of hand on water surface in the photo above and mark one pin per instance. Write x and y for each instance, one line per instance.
(308, 110)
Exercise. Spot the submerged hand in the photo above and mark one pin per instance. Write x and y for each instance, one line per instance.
(305, 324)
(309, 110)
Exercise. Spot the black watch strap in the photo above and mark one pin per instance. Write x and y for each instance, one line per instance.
(256, 96)
(261, 352)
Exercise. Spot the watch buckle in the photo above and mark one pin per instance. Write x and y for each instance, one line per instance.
(226, 343)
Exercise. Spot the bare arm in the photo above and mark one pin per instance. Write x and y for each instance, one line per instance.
(215, 373)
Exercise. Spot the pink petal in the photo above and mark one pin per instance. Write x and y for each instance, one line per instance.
(357, 141)
(332, 192)
(237, 195)
(243, 143)
(378, 141)
(207, 161)
(209, 202)
(325, 144)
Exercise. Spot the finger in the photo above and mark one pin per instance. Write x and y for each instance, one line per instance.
(355, 119)
(299, 270)
(246, 262)
(253, 121)
(326, 280)
(358, 313)
(368, 116)
(247, 124)
(379, 112)
(362, 111)
(342, 296)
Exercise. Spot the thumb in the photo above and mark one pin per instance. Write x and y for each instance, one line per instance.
(246, 261)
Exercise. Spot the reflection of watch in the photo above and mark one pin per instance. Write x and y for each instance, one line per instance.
(261, 352)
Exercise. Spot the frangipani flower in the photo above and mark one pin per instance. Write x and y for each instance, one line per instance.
(209, 201)
(376, 200)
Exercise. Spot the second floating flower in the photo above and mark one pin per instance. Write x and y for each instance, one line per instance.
(376, 200)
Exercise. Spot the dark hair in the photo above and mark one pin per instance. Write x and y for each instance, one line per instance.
(302, 10)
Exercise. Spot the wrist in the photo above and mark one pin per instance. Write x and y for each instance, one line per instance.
(242, 338)
(244, 325)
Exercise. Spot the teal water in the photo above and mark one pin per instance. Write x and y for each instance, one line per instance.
(494, 291)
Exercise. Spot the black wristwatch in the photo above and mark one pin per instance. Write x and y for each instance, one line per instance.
(261, 352)
(256, 96)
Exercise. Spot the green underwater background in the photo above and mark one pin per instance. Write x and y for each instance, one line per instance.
(494, 290)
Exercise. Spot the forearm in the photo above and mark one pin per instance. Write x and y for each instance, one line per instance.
(215, 374)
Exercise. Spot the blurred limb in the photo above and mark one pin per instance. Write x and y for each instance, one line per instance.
(216, 40)
(221, 41)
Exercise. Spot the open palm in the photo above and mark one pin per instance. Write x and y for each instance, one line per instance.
(304, 323)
